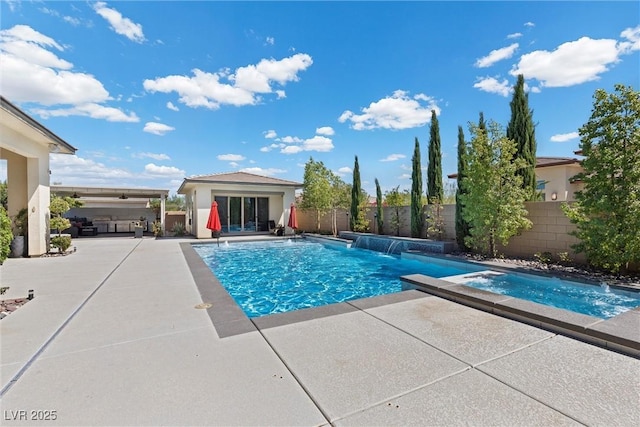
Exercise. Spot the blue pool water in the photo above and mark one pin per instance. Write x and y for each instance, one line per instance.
(280, 276)
(598, 301)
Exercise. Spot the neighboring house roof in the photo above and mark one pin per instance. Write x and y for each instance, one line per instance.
(542, 162)
(238, 178)
(56, 144)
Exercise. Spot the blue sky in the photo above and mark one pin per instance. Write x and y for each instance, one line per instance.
(153, 92)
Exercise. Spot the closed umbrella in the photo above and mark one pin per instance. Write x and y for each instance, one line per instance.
(213, 223)
(293, 219)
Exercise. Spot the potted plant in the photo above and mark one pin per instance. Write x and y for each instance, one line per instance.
(58, 206)
(138, 230)
(20, 228)
(156, 227)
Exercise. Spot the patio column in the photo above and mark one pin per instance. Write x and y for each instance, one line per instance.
(28, 187)
(39, 196)
(163, 199)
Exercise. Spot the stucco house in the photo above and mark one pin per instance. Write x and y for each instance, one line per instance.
(25, 144)
(247, 203)
(555, 178)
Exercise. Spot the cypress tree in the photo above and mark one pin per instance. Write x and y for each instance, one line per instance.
(379, 213)
(482, 125)
(416, 193)
(462, 226)
(522, 131)
(356, 195)
(435, 190)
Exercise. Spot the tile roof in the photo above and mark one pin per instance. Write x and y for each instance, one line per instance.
(542, 162)
(242, 178)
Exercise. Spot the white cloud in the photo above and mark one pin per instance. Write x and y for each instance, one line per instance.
(563, 137)
(95, 111)
(633, 40)
(492, 85)
(157, 128)
(405, 176)
(165, 171)
(496, 56)
(345, 170)
(154, 156)
(529, 24)
(270, 134)
(264, 172)
(272, 147)
(170, 106)
(68, 19)
(397, 111)
(231, 157)
(233, 164)
(32, 72)
(317, 143)
(325, 130)
(270, 40)
(393, 157)
(74, 170)
(71, 20)
(119, 24)
(290, 139)
(514, 35)
(576, 62)
(280, 94)
(243, 87)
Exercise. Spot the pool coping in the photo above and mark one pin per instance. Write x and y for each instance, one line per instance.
(620, 333)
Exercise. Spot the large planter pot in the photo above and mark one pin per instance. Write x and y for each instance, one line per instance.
(17, 247)
(138, 232)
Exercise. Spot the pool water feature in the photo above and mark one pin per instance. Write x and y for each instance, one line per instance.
(280, 276)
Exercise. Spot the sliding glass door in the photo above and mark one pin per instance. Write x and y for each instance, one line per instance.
(243, 214)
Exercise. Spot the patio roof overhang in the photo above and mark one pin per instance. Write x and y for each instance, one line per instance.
(112, 192)
(16, 119)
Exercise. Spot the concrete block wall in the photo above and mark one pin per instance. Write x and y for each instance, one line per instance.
(549, 233)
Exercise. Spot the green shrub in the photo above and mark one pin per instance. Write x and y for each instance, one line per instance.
(156, 227)
(543, 257)
(6, 236)
(178, 229)
(61, 242)
(21, 222)
(564, 258)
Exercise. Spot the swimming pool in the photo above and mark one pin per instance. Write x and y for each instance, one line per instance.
(280, 276)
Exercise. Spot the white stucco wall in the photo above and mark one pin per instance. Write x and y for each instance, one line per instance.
(28, 182)
(557, 180)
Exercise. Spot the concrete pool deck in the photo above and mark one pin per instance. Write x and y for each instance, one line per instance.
(113, 337)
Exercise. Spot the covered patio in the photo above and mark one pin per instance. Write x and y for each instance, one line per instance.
(115, 209)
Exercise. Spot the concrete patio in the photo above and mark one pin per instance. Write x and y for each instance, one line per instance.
(116, 336)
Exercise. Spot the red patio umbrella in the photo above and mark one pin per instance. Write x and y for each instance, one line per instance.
(293, 219)
(213, 223)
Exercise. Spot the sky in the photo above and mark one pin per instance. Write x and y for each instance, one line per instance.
(152, 92)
